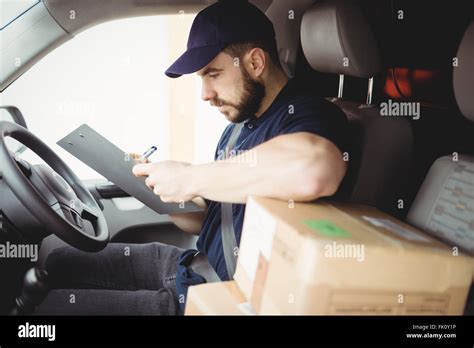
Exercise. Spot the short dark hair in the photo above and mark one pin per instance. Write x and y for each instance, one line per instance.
(239, 49)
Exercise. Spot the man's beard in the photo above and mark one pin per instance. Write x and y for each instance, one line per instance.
(250, 101)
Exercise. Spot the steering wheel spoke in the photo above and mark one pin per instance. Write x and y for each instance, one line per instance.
(71, 216)
(87, 212)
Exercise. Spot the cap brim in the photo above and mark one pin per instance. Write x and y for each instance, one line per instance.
(193, 60)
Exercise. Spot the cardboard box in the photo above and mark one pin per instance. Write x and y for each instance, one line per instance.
(334, 258)
(223, 298)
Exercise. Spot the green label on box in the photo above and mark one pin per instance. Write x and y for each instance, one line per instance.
(326, 228)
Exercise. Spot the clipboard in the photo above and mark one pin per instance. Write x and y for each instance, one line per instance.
(108, 160)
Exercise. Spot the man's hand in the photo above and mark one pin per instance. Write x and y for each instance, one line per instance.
(138, 158)
(164, 175)
(170, 180)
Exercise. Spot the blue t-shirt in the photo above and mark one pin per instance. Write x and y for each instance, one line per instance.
(292, 111)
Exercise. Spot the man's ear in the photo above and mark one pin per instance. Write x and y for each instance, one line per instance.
(256, 62)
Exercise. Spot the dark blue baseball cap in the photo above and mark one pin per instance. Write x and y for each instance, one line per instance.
(217, 26)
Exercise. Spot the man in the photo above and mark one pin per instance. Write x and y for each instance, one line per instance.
(287, 146)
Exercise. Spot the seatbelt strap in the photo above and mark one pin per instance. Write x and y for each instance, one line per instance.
(229, 242)
(200, 265)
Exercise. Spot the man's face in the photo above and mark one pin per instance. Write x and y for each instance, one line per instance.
(230, 88)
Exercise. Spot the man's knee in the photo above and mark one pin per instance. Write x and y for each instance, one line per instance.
(60, 263)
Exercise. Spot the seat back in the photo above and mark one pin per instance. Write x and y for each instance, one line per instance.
(444, 205)
(337, 39)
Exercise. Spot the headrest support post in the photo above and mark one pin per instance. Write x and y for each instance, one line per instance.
(341, 86)
(370, 90)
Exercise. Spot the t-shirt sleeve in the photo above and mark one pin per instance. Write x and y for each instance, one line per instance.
(317, 117)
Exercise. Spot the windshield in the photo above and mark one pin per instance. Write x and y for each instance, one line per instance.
(112, 78)
(10, 10)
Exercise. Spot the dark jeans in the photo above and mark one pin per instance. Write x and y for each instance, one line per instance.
(122, 279)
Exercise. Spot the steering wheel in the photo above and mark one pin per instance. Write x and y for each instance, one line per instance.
(56, 198)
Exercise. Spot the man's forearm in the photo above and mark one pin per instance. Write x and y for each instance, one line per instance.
(299, 166)
(191, 222)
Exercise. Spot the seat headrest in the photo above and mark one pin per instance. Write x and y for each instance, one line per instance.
(463, 75)
(337, 39)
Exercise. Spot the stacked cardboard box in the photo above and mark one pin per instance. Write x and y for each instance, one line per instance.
(328, 258)
(216, 299)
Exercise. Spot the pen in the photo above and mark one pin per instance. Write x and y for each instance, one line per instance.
(149, 152)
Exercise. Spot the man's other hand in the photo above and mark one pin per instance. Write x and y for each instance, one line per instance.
(138, 158)
(170, 180)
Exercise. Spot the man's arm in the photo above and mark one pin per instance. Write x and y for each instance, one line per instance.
(299, 166)
(191, 222)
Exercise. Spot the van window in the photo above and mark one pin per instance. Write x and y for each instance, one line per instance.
(112, 78)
